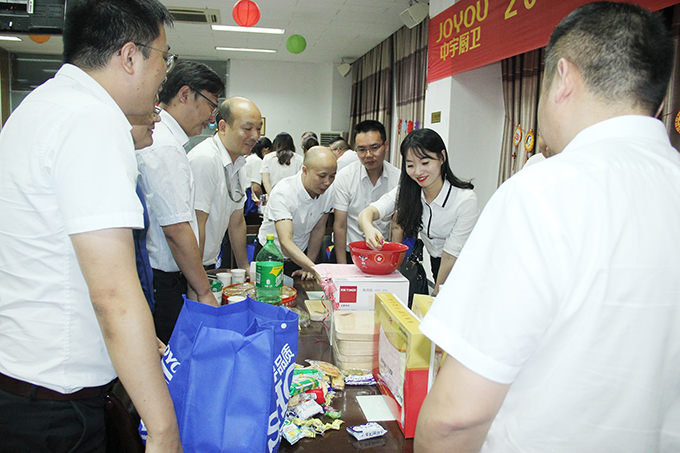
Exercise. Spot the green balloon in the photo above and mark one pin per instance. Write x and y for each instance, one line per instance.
(296, 44)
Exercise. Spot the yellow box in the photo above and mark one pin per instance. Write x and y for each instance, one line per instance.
(401, 366)
(421, 305)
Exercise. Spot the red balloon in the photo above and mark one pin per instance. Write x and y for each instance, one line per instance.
(246, 13)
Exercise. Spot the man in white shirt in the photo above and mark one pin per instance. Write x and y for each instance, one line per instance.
(218, 166)
(189, 103)
(298, 210)
(72, 312)
(361, 183)
(584, 358)
(342, 152)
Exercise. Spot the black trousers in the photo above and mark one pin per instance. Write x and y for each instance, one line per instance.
(37, 426)
(435, 263)
(168, 289)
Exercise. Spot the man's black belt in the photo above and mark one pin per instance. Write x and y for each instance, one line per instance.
(21, 388)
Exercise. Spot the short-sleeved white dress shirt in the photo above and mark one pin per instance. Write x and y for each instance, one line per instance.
(277, 172)
(354, 192)
(348, 157)
(592, 346)
(168, 185)
(290, 200)
(447, 221)
(73, 171)
(211, 166)
(253, 165)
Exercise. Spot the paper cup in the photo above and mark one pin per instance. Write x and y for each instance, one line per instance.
(238, 276)
(235, 299)
(225, 278)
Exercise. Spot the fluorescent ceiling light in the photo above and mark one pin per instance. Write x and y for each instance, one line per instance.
(271, 31)
(9, 38)
(243, 49)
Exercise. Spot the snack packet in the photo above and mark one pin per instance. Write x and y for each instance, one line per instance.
(366, 431)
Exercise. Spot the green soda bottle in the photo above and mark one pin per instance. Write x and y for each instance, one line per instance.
(269, 273)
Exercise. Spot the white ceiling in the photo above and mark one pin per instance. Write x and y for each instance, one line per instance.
(334, 29)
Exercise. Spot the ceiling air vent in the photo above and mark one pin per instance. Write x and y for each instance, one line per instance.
(196, 15)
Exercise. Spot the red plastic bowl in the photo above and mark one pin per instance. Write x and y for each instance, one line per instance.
(377, 262)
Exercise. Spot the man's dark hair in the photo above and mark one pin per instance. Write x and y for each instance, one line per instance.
(623, 52)
(94, 30)
(310, 133)
(369, 126)
(197, 76)
(309, 143)
(343, 145)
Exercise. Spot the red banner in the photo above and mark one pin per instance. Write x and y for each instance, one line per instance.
(474, 33)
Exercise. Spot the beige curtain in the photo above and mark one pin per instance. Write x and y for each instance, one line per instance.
(410, 71)
(372, 87)
(521, 89)
(672, 104)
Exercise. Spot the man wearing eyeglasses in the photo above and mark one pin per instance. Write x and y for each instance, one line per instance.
(188, 104)
(217, 164)
(72, 312)
(361, 183)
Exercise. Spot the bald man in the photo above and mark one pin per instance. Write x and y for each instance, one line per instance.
(217, 164)
(297, 212)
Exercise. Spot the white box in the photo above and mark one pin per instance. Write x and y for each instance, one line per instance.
(355, 290)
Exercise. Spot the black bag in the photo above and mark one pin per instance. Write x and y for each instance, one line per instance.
(414, 271)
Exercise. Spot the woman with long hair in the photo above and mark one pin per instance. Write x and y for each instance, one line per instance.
(429, 200)
(254, 163)
(283, 162)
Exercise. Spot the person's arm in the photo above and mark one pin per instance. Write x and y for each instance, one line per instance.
(237, 237)
(340, 235)
(266, 182)
(127, 327)
(397, 233)
(374, 238)
(444, 269)
(202, 219)
(316, 238)
(284, 231)
(458, 411)
(184, 248)
(256, 189)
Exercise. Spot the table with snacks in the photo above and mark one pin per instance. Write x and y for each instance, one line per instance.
(314, 345)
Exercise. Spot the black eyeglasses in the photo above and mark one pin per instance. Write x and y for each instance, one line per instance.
(373, 149)
(216, 108)
(169, 59)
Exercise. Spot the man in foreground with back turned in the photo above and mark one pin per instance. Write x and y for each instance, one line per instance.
(72, 312)
(584, 358)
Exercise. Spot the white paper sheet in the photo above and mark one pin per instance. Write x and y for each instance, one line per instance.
(374, 408)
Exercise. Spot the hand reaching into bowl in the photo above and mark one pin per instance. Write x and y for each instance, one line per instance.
(374, 238)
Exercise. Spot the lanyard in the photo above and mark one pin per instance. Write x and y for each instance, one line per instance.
(236, 193)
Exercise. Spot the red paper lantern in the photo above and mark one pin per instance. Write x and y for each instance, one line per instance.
(246, 13)
(40, 39)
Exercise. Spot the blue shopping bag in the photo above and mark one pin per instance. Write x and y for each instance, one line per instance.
(229, 371)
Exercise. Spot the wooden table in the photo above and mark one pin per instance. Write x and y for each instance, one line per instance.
(313, 344)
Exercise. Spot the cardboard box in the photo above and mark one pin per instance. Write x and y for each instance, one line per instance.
(402, 364)
(421, 305)
(355, 290)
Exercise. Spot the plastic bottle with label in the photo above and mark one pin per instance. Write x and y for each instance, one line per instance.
(269, 273)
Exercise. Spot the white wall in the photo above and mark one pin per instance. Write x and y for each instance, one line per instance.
(472, 114)
(294, 97)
